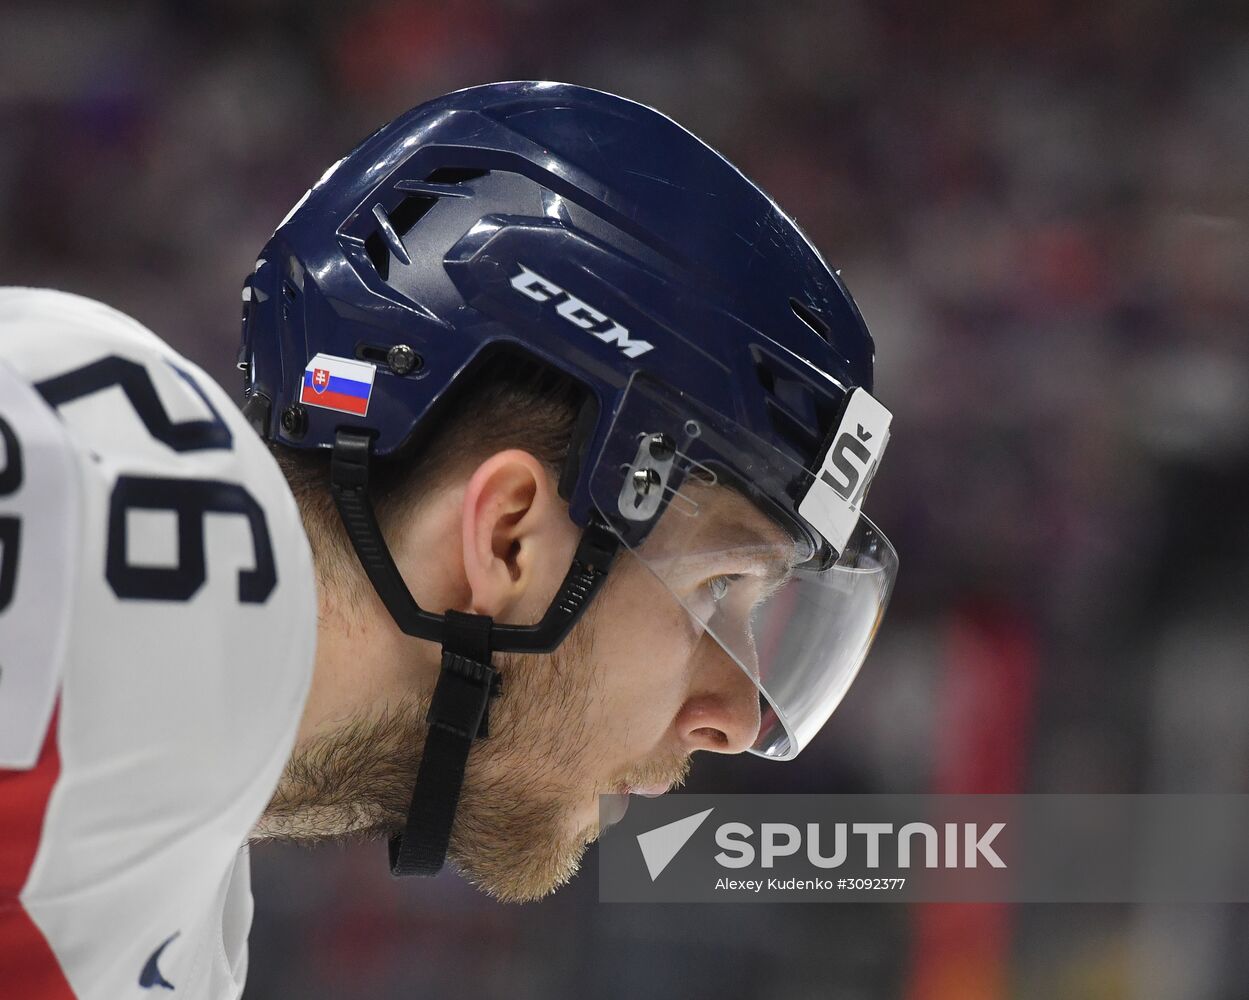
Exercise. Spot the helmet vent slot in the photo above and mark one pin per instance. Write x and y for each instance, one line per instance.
(409, 212)
(817, 325)
(796, 412)
(454, 175)
(386, 241)
(790, 427)
(379, 254)
(380, 244)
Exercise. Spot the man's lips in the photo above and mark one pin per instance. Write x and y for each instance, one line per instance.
(612, 807)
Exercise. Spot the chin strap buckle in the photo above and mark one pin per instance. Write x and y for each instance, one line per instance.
(461, 703)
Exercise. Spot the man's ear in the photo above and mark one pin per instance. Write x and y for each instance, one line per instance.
(517, 537)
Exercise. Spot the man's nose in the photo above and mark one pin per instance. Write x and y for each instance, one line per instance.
(721, 712)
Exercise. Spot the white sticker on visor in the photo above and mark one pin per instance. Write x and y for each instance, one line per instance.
(834, 499)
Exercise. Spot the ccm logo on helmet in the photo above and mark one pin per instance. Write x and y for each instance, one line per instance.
(578, 313)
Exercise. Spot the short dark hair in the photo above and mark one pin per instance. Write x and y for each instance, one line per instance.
(509, 401)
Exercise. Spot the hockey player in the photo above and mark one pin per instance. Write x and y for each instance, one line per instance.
(578, 425)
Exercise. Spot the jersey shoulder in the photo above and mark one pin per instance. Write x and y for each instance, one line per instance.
(181, 528)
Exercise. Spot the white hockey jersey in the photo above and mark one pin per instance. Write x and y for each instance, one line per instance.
(157, 627)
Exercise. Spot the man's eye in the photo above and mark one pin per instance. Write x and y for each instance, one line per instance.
(718, 586)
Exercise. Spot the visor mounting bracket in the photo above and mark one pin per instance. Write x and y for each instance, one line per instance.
(646, 479)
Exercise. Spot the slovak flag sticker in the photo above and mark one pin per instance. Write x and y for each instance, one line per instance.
(341, 384)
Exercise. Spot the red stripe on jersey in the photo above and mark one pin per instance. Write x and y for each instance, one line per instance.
(28, 967)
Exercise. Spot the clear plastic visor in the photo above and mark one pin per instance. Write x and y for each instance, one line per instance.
(798, 632)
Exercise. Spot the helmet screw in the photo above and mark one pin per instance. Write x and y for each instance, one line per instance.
(661, 447)
(402, 359)
(295, 420)
(645, 480)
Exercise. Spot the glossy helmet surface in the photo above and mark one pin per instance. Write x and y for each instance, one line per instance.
(581, 229)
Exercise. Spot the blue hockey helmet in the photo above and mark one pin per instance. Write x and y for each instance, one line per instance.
(715, 347)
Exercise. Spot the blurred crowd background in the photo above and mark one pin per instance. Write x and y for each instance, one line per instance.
(1043, 209)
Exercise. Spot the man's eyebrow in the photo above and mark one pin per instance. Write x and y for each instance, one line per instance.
(773, 571)
(775, 559)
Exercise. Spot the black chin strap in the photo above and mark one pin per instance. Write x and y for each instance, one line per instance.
(459, 712)
(458, 715)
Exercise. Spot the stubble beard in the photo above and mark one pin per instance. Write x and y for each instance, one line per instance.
(514, 836)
